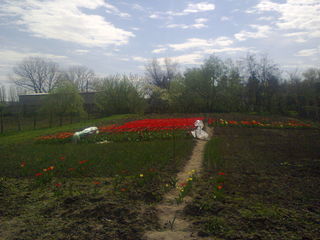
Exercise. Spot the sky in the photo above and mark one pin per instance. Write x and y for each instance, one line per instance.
(117, 36)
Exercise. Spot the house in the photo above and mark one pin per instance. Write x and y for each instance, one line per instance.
(32, 102)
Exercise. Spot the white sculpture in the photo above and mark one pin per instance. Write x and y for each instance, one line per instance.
(198, 132)
(87, 131)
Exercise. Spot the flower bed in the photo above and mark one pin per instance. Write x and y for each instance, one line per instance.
(140, 130)
(61, 137)
(254, 123)
(153, 125)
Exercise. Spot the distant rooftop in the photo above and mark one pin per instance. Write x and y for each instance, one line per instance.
(36, 94)
(37, 98)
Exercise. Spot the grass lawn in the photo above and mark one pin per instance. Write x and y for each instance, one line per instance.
(259, 184)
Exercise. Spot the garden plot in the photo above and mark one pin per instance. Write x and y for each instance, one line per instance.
(85, 190)
(260, 182)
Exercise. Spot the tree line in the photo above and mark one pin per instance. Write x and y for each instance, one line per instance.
(251, 84)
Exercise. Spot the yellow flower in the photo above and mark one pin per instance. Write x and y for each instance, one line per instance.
(182, 190)
(167, 185)
(141, 175)
(190, 179)
(193, 170)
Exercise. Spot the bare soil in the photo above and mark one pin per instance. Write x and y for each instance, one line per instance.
(271, 188)
(173, 223)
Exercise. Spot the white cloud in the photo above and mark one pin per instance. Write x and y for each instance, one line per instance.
(266, 18)
(199, 7)
(201, 20)
(188, 59)
(303, 16)
(125, 59)
(225, 18)
(108, 54)
(12, 57)
(307, 52)
(138, 7)
(159, 50)
(154, 16)
(222, 41)
(228, 50)
(182, 26)
(199, 43)
(295, 34)
(190, 9)
(262, 31)
(63, 20)
(81, 51)
(198, 23)
(299, 37)
(115, 10)
(139, 59)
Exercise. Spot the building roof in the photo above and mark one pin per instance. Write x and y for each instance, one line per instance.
(38, 98)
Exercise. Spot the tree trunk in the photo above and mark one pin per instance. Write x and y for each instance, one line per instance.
(19, 122)
(50, 120)
(34, 121)
(1, 122)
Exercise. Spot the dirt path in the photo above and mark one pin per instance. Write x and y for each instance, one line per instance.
(169, 211)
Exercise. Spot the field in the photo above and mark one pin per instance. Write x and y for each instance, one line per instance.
(259, 180)
(269, 186)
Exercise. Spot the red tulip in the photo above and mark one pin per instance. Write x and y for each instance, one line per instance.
(82, 162)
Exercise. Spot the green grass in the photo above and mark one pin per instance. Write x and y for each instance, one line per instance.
(212, 159)
(29, 135)
(103, 159)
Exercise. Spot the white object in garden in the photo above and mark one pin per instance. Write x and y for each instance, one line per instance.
(198, 132)
(87, 131)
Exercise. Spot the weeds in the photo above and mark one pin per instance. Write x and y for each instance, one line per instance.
(171, 222)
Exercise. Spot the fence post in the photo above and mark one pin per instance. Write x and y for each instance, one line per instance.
(19, 122)
(50, 120)
(1, 121)
(34, 121)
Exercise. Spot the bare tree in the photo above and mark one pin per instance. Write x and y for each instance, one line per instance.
(13, 94)
(161, 76)
(81, 76)
(2, 94)
(36, 74)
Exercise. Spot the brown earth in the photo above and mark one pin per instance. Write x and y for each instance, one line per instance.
(271, 188)
(173, 223)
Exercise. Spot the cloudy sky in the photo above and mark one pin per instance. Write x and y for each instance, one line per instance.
(118, 36)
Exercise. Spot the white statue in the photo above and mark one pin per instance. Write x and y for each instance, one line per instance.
(198, 132)
(87, 131)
